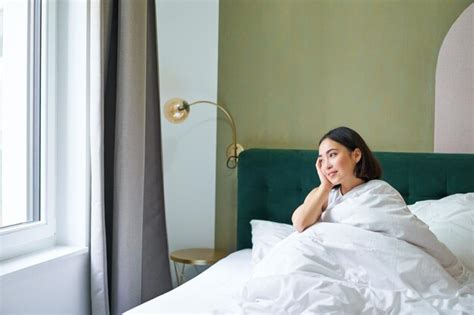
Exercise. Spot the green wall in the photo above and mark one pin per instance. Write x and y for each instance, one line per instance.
(291, 70)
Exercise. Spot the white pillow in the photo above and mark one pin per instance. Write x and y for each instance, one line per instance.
(451, 219)
(265, 235)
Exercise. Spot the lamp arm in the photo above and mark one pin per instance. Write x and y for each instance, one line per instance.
(234, 131)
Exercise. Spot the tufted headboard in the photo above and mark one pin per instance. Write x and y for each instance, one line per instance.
(273, 182)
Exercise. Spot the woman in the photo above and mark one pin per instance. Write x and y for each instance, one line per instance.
(352, 194)
(369, 255)
(344, 162)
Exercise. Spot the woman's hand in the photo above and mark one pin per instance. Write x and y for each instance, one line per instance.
(314, 204)
(325, 183)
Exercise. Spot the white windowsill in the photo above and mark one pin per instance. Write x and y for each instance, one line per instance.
(40, 257)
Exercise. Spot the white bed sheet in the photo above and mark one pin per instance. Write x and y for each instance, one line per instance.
(216, 288)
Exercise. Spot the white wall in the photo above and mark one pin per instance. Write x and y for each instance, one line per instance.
(187, 48)
(54, 287)
(454, 94)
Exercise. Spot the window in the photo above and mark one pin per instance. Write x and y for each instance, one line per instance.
(23, 217)
(19, 112)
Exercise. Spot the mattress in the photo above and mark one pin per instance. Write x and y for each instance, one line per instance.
(214, 289)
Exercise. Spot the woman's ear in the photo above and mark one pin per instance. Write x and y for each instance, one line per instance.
(357, 155)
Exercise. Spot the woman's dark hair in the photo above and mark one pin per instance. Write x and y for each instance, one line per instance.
(368, 167)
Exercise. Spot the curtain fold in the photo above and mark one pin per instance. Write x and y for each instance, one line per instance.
(129, 248)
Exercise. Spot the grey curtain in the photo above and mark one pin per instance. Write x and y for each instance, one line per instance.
(135, 231)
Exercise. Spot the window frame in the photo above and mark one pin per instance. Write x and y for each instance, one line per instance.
(35, 119)
(26, 237)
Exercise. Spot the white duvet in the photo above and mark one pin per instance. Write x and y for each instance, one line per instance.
(370, 256)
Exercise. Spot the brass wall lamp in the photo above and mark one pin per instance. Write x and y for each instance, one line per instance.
(176, 110)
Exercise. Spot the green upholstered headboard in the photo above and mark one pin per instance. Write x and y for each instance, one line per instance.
(273, 182)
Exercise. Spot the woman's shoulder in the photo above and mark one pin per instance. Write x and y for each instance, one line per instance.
(378, 184)
(381, 186)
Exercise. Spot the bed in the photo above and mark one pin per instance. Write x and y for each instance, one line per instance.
(273, 182)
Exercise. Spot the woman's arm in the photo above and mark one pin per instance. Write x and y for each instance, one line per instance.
(317, 200)
(309, 212)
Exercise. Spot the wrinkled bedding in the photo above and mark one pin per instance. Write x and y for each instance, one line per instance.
(340, 269)
(370, 255)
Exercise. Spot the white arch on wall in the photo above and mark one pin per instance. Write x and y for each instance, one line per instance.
(454, 88)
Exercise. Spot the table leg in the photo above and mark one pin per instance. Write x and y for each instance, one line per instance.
(182, 273)
(176, 273)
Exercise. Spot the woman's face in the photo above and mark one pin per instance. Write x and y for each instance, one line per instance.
(337, 162)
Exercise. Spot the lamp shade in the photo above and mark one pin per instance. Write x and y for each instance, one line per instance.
(176, 110)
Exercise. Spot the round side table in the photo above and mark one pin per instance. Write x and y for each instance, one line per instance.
(194, 257)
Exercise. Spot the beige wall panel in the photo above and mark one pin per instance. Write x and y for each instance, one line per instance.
(291, 70)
